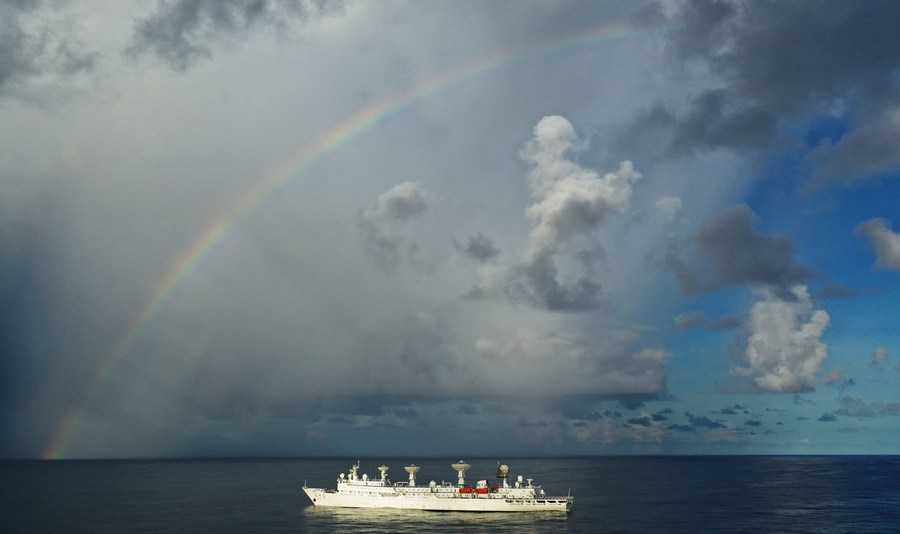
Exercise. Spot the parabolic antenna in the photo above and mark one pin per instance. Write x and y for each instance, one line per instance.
(461, 468)
(412, 470)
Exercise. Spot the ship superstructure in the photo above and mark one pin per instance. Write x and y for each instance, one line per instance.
(355, 491)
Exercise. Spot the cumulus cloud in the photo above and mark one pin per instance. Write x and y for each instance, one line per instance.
(731, 252)
(182, 32)
(381, 221)
(784, 351)
(569, 199)
(570, 202)
(885, 241)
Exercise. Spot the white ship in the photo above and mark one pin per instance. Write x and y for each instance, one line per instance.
(355, 491)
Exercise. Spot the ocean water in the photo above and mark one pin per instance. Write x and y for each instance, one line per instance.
(612, 494)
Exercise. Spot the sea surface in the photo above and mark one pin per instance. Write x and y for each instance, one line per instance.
(759, 494)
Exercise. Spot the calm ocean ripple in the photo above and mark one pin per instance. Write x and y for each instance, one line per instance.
(797, 494)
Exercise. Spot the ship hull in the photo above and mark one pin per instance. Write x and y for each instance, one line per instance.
(446, 502)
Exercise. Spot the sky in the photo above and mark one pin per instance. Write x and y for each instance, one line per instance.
(302, 228)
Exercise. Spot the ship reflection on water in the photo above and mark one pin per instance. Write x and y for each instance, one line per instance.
(318, 519)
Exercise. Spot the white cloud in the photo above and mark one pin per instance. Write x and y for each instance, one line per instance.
(784, 351)
(571, 202)
(569, 199)
(670, 206)
(885, 241)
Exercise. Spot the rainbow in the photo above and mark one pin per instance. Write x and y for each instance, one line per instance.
(218, 231)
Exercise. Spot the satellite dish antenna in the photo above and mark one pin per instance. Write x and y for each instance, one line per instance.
(412, 470)
(461, 468)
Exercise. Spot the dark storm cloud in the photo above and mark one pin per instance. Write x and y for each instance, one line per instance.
(778, 61)
(478, 247)
(869, 151)
(33, 45)
(714, 123)
(827, 418)
(537, 282)
(183, 32)
(732, 252)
